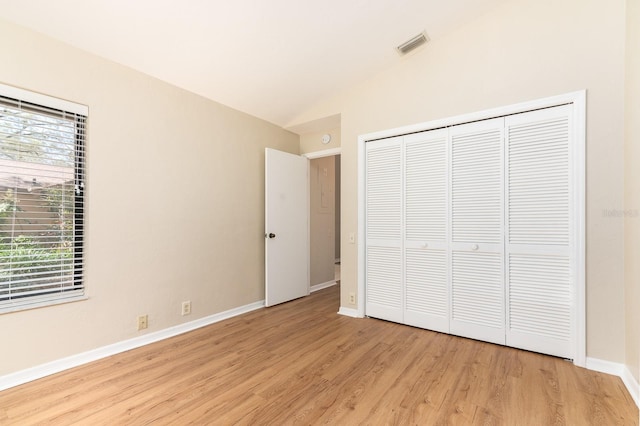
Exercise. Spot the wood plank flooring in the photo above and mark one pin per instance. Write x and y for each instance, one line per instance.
(301, 363)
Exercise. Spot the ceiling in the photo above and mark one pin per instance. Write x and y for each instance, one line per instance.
(269, 58)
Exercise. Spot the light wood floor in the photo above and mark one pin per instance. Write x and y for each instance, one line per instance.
(301, 363)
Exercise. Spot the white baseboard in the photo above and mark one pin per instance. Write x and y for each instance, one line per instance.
(40, 371)
(321, 286)
(349, 312)
(619, 370)
(632, 385)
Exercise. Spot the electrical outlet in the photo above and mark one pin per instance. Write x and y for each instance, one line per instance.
(143, 322)
(352, 298)
(186, 307)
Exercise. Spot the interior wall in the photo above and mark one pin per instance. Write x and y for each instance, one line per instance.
(312, 142)
(522, 50)
(631, 214)
(175, 202)
(322, 219)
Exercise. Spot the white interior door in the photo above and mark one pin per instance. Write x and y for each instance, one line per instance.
(286, 227)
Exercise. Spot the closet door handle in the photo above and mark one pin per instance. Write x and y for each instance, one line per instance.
(475, 247)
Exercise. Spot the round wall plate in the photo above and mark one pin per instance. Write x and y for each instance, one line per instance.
(326, 138)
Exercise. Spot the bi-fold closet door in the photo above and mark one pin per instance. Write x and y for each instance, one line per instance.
(476, 243)
(468, 230)
(541, 245)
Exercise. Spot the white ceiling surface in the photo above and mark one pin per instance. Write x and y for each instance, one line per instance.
(269, 58)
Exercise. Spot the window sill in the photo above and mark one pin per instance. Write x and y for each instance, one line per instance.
(42, 301)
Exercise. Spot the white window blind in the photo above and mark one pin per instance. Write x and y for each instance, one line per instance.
(41, 203)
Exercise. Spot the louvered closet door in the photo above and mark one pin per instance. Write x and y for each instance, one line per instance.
(539, 279)
(425, 244)
(477, 237)
(384, 266)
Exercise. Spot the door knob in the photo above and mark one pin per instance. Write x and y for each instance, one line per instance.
(271, 235)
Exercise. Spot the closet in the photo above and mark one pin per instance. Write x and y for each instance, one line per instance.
(470, 230)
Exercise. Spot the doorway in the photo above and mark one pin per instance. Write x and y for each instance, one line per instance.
(324, 221)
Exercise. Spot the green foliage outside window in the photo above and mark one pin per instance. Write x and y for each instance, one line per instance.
(48, 253)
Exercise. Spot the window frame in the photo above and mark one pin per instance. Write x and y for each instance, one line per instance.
(80, 115)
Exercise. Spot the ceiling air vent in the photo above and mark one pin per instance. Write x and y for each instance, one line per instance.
(409, 45)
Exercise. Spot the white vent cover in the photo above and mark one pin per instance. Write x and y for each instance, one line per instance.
(409, 45)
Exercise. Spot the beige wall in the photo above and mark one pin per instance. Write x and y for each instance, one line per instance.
(322, 219)
(522, 50)
(312, 142)
(175, 202)
(632, 188)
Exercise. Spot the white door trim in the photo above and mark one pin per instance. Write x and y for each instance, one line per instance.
(578, 99)
(323, 153)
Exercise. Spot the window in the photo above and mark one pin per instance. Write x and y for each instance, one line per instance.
(42, 189)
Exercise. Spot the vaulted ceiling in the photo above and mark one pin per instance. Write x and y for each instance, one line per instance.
(269, 58)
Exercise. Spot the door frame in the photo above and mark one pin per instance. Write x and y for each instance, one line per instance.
(323, 153)
(578, 99)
